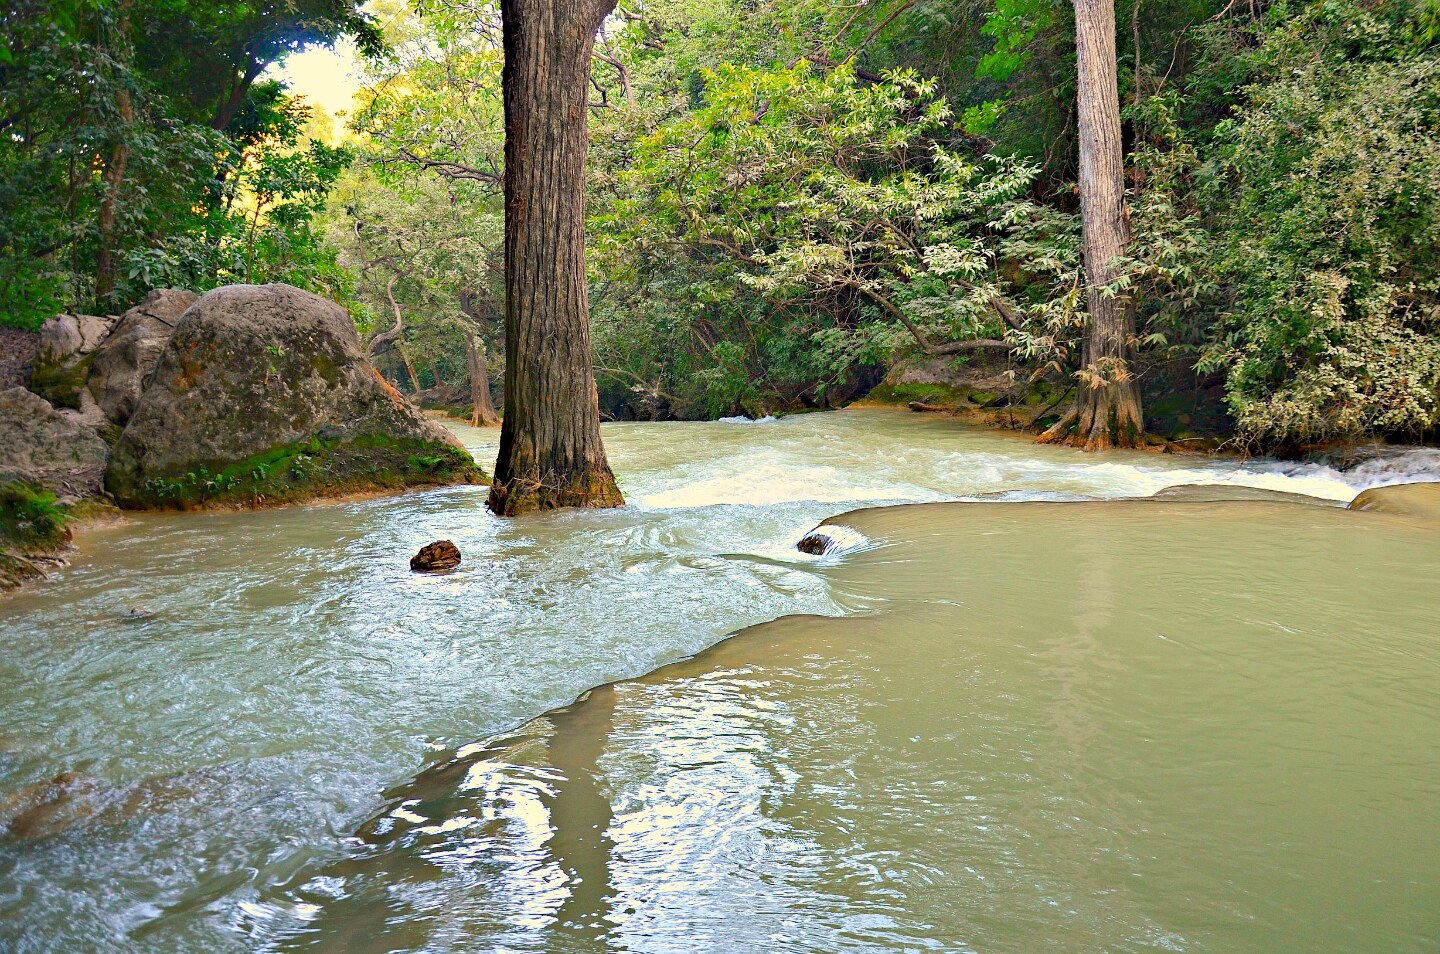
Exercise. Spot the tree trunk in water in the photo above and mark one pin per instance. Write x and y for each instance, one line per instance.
(1107, 408)
(113, 177)
(550, 450)
(482, 413)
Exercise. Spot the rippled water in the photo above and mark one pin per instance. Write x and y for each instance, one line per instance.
(292, 670)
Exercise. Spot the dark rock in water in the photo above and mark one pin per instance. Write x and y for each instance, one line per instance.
(263, 396)
(440, 555)
(814, 543)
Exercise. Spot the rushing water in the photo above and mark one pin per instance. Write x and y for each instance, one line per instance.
(1190, 726)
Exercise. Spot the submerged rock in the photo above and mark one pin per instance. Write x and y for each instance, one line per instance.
(45, 808)
(440, 555)
(263, 395)
(44, 448)
(1412, 500)
(72, 800)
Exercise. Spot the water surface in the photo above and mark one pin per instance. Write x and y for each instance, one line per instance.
(826, 788)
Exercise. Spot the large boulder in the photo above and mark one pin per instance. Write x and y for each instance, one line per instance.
(45, 448)
(122, 363)
(263, 396)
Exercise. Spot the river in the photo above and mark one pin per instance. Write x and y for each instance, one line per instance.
(1026, 723)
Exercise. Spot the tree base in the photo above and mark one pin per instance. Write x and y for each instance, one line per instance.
(1098, 425)
(595, 490)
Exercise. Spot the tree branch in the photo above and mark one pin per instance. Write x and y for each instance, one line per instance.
(451, 170)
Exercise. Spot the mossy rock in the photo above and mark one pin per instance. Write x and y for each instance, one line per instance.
(62, 382)
(263, 396)
(904, 394)
(316, 468)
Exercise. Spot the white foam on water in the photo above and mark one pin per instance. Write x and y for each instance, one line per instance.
(742, 419)
(767, 484)
(842, 539)
(1400, 465)
(768, 478)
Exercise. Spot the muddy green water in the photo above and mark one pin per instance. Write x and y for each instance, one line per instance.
(1205, 725)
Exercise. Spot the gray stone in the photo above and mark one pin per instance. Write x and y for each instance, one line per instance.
(62, 366)
(72, 336)
(18, 350)
(263, 395)
(42, 446)
(122, 364)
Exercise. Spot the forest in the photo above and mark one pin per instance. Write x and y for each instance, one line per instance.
(784, 199)
(712, 476)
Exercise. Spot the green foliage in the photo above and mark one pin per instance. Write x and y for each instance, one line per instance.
(145, 139)
(784, 197)
(806, 223)
(417, 219)
(1328, 234)
(30, 519)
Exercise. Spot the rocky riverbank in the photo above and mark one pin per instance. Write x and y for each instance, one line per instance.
(246, 396)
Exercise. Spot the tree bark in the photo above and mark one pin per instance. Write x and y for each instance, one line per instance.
(1107, 409)
(482, 413)
(114, 175)
(551, 454)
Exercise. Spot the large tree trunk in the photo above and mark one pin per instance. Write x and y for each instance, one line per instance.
(1107, 408)
(550, 450)
(482, 413)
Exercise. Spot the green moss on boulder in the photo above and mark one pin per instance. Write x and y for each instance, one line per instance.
(263, 396)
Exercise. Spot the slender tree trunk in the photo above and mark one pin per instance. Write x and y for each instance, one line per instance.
(550, 450)
(395, 334)
(482, 409)
(409, 365)
(1107, 409)
(435, 373)
(114, 176)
